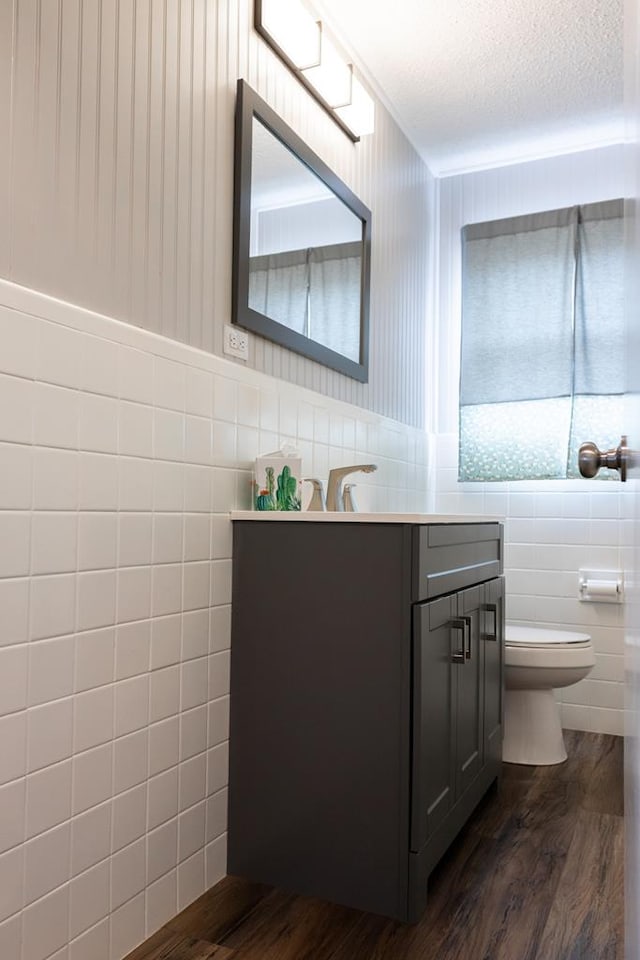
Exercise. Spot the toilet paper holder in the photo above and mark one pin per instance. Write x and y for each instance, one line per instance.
(601, 586)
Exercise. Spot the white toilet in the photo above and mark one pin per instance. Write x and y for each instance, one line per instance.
(537, 661)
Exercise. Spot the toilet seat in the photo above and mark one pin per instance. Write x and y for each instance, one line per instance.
(540, 647)
(556, 656)
(517, 636)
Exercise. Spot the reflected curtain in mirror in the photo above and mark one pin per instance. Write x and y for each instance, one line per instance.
(315, 292)
(542, 355)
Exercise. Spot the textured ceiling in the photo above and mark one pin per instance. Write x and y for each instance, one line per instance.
(479, 82)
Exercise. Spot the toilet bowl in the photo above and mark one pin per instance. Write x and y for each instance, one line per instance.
(537, 662)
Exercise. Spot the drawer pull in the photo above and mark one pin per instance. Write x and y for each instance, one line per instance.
(492, 608)
(459, 624)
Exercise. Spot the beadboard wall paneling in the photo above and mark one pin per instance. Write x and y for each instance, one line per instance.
(552, 527)
(116, 187)
(121, 454)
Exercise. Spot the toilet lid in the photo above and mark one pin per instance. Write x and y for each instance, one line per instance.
(541, 636)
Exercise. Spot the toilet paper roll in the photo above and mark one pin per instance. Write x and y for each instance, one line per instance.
(601, 588)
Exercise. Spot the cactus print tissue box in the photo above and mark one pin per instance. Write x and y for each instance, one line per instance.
(277, 483)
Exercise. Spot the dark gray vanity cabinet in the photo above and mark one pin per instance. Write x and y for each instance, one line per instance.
(366, 702)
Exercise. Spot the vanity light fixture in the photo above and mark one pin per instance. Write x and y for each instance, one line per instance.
(303, 43)
(358, 114)
(331, 77)
(291, 30)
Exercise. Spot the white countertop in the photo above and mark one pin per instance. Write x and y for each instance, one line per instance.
(319, 516)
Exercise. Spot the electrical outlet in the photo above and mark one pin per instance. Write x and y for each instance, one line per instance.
(236, 342)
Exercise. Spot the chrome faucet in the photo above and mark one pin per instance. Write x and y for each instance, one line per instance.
(335, 498)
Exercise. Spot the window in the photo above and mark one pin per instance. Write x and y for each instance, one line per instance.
(542, 354)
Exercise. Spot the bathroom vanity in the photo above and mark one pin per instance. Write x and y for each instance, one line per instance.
(366, 699)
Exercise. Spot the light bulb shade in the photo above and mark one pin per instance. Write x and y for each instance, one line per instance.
(359, 115)
(293, 29)
(332, 77)
(294, 33)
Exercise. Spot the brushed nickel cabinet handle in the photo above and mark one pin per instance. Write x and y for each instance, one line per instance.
(458, 624)
(467, 651)
(492, 608)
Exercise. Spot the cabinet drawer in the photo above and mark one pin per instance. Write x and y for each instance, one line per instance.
(449, 557)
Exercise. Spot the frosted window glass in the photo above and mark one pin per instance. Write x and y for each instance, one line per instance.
(525, 440)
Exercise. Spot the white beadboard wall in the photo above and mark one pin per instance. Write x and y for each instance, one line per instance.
(121, 453)
(116, 179)
(553, 528)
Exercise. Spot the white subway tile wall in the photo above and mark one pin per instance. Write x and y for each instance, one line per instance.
(552, 529)
(121, 454)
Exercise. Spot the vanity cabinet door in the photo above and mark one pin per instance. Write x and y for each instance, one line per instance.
(470, 692)
(492, 625)
(436, 640)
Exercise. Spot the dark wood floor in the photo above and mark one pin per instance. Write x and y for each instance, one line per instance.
(537, 874)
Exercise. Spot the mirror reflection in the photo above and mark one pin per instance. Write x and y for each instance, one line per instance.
(305, 249)
(301, 245)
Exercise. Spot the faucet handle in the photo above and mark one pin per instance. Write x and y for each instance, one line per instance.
(348, 499)
(317, 501)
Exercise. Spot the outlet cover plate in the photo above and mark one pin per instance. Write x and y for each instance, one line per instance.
(236, 342)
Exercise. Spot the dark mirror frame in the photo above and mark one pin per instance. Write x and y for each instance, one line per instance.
(248, 106)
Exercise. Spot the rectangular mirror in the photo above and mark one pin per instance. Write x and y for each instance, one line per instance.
(301, 245)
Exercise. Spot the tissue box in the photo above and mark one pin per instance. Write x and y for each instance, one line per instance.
(278, 480)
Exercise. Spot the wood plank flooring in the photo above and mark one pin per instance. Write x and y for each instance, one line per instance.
(537, 874)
